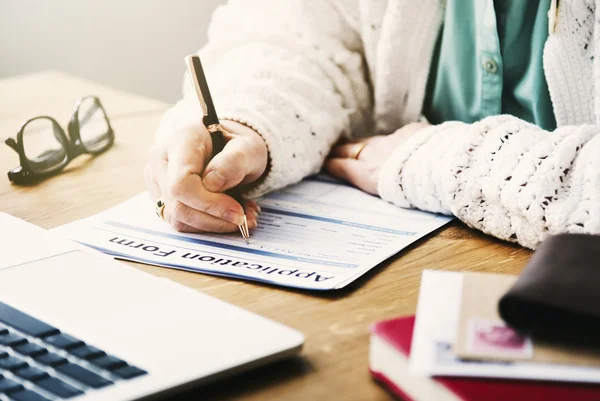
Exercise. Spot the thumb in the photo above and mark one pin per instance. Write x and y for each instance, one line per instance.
(235, 165)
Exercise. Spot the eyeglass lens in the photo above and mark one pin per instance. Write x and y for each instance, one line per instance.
(45, 145)
(93, 125)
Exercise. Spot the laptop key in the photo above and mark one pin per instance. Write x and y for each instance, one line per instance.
(25, 323)
(31, 373)
(108, 362)
(129, 372)
(83, 375)
(63, 341)
(58, 387)
(50, 359)
(11, 339)
(30, 349)
(8, 386)
(87, 352)
(27, 395)
(12, 363)
(3, 354)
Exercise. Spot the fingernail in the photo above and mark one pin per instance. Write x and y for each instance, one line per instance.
(233, 216)
(214, 181)
(254, 206)
(255, 215)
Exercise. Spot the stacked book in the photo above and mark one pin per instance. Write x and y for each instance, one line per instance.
(459, 348)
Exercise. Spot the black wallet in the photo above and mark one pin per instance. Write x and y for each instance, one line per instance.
(557, 296)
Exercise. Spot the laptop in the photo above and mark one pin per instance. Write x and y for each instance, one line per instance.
(75, 324)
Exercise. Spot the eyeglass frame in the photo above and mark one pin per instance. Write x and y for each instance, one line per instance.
(70, 140)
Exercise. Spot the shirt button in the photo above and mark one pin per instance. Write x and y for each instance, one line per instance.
(490, 65)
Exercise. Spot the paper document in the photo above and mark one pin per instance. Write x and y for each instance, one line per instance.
(317, 234)
(22, 242)
(435, 331)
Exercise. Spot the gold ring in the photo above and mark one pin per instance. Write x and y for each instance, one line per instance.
(160, 208)
(356, 149)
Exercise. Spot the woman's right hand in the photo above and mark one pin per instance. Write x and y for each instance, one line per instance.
(191, 189)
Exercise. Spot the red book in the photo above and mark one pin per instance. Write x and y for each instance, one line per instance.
(388, 364)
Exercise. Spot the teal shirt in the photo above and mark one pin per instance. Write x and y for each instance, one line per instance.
(488, 61)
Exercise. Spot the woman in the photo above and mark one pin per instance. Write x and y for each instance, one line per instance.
(510, 90)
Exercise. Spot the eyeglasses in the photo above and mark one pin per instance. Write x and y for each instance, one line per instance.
(44, 148)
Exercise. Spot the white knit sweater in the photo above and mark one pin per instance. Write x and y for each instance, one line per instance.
(302, 73)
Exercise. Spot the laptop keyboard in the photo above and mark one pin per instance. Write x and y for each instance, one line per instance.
(38, 362)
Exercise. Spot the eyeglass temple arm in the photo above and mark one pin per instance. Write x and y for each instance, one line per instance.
(12, 143)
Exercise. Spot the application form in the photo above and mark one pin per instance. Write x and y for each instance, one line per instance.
(318, 234)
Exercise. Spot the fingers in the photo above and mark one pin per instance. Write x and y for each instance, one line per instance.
(174, 173)
(186, 162)
(188, 152)
(348, 150)
(252, 213)
(185, 219)
(228, 168)
(179, 215)
(353, 171)
(240, 162)
(184, 228)
(346, 169)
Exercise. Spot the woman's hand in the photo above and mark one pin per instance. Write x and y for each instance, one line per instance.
(191, 189)
(363, 171)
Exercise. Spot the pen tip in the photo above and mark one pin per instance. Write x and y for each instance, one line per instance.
(245, 231)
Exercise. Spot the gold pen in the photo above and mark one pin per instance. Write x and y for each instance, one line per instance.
(212, 124)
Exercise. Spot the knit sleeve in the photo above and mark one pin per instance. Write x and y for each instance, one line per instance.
(293, 71)
(503, 176)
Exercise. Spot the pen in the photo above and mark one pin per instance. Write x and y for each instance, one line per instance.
(212, 124)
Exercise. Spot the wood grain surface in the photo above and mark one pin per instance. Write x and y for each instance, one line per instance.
(333, 364)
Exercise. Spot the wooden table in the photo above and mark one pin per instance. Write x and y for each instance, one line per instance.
(333, 364)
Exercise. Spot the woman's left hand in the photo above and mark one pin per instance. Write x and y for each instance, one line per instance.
(360, 162)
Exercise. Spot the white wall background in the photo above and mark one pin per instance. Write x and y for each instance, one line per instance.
(135, 45)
